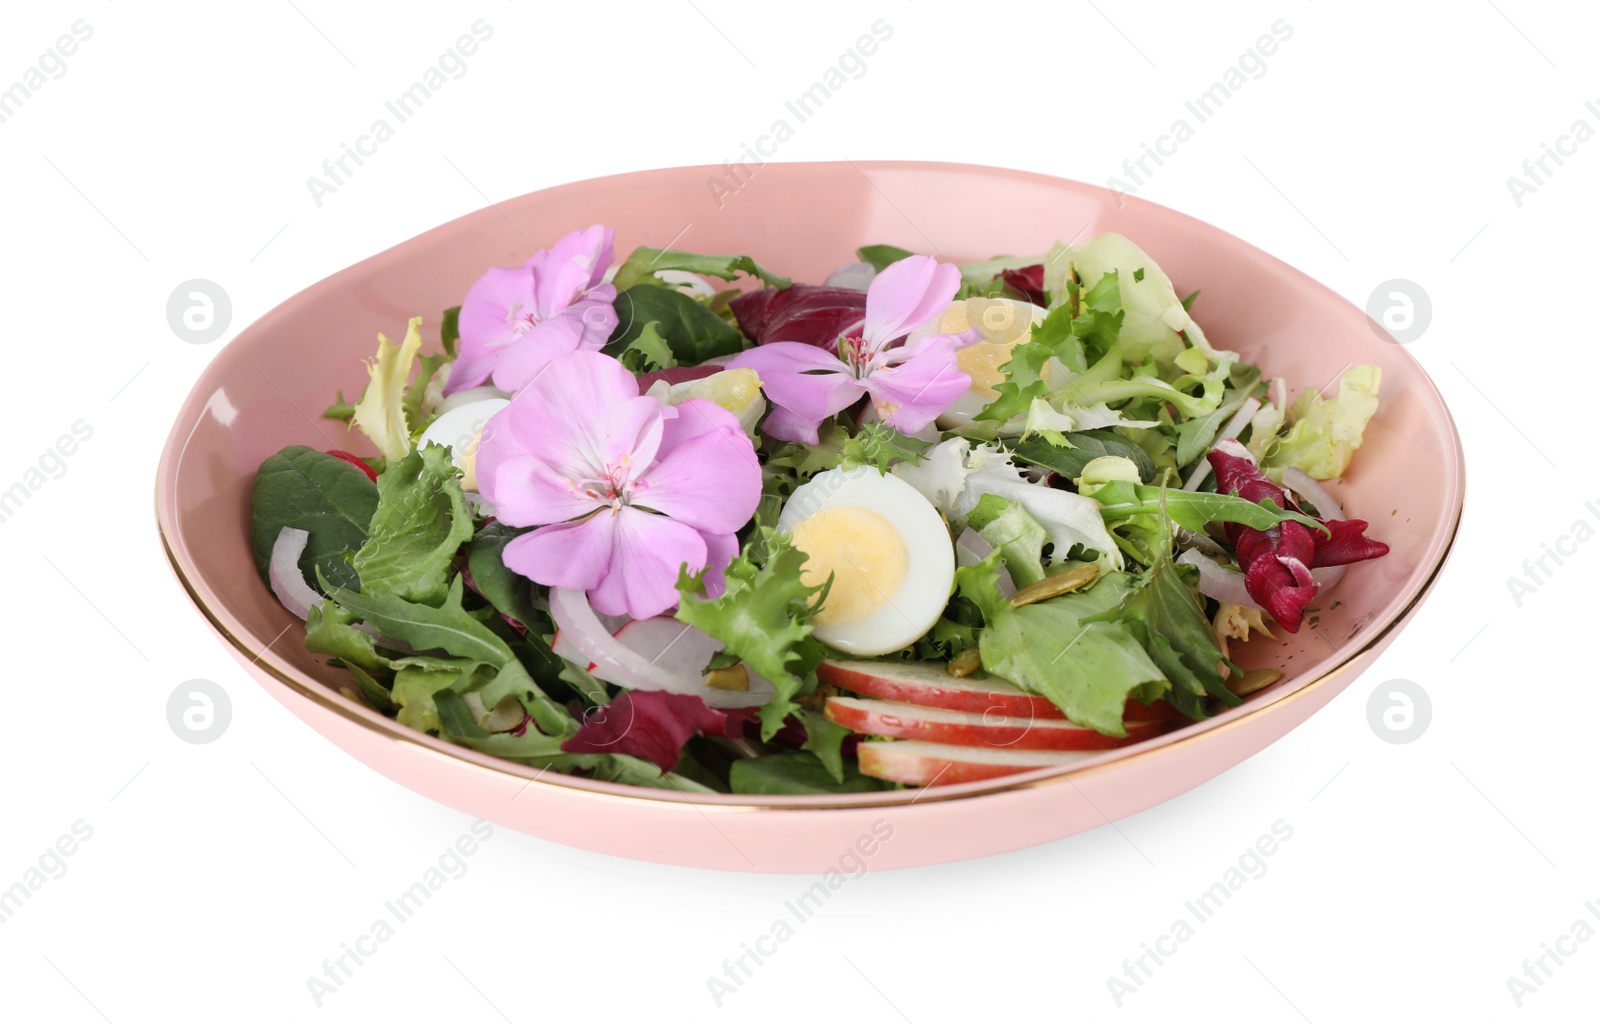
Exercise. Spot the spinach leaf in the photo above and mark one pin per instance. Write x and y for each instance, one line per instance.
(795, 775)
(692, 332)
(511, 593)
(328, 498)
(1087, 445)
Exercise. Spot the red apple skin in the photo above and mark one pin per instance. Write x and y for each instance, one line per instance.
(881, 718)
(978, 696)
(888, 761)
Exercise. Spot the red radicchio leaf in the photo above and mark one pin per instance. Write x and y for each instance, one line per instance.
(1277, 563)
(808, 313)
(676, 375)
(651, 724)
(1028, 281)
(1348, 544)
(356, 461)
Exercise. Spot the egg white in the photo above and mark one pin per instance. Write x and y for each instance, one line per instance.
(912, 607)
(459, 430)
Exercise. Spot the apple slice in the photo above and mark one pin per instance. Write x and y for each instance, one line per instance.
(930, 684)
(919, 763)
(971, 728)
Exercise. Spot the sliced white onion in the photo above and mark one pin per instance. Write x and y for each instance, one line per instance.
(971, 549)
(294, 593)
(1240, 418)
(686, 282)
(855, 276)
(1219, 582)
(283, 572)
(1307, 486)
(614, 661)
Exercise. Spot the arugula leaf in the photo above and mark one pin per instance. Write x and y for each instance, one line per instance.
(453, 630)
(371, 692)
(331, 630)
(509, 592)
(642, 264)
(795, 775)
(647, 352)
(327, 497)
(1192, 510)
(1166, 613)
(824, 739)
(881, 256)
(1065, 649)
(764, 616)
(447, 627)
(692, 332)
(421, 521)
(1084, 446)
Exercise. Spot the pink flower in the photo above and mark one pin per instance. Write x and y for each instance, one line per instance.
(514, 320)
(624, 489)
(909, 385)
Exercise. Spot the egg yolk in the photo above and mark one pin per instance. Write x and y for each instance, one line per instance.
(862, 550)
(982, 361)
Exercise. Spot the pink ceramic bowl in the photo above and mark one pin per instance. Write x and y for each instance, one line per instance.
(266, 389)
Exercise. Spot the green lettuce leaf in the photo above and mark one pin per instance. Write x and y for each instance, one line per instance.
(648, 352)
(421, 522)
(1327, 431)
(1020, 539)
(1065, 649)
(381, 412)
(764, 617)
(327, 497)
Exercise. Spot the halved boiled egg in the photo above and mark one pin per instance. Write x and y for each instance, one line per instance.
(461, 428)
(1004, 324)
(887, 549)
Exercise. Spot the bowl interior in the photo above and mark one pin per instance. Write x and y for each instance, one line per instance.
(268, 387)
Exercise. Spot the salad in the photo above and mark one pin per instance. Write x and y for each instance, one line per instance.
(681, 522)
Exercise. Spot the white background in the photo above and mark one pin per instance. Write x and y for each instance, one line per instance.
(219, 877)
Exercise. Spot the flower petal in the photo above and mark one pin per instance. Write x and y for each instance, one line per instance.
(519, 362)
(577, 555)
(488, 322)
(526, 492)
(721, 549)
(910, 395)
(811, 383)
(558, 416)
(906, 295)
(706, 474)
(648, 551)
(575, 263)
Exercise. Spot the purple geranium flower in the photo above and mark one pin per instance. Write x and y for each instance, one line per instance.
(514, 320)
(625, 490)
(909, 384)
